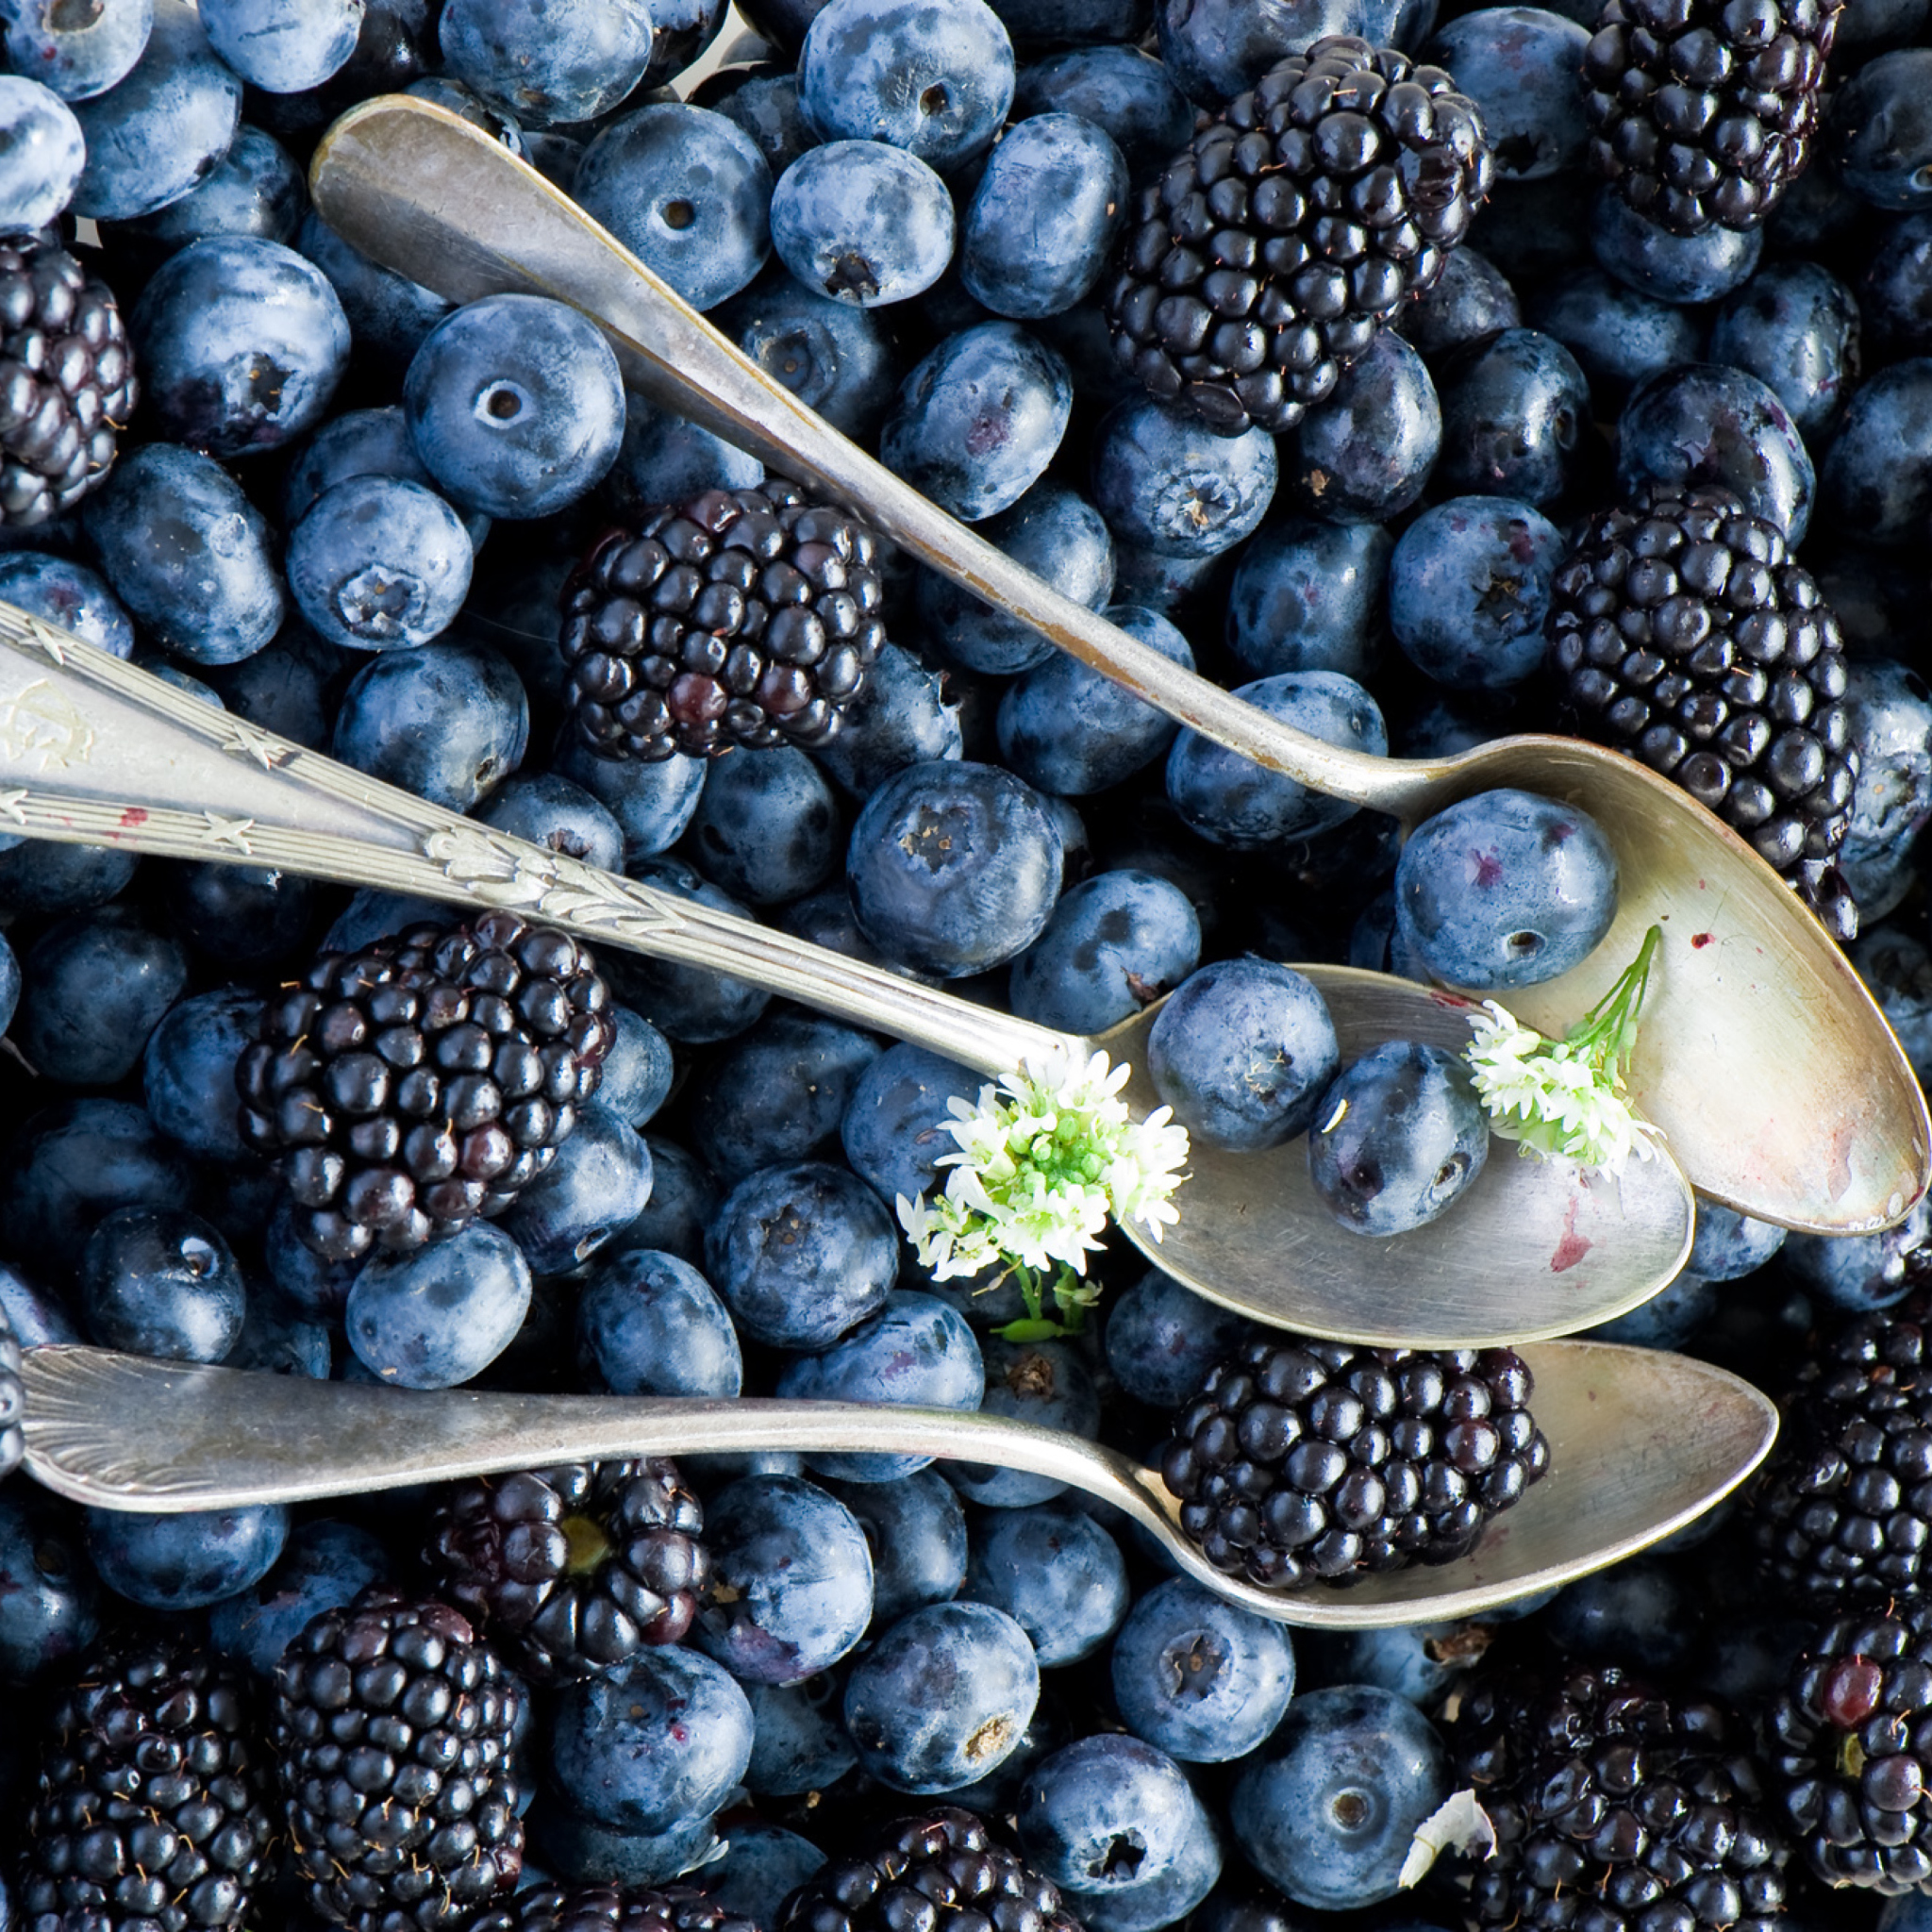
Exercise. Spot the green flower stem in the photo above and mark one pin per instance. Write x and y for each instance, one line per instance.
(1072, 1298)
(1607, 1033)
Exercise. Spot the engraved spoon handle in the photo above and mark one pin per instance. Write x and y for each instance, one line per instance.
(97, 752)
(424, 194)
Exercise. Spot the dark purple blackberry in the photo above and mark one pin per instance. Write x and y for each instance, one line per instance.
(1301, 1459)
(574, 1570)
(12, 1401)
(742, 617)
(67, 383)
(1617, 1809)
(1850, 1744)
(941, 1870)
(610, 1908)
(392, 1725)
(154, 1812)
(1843, 1511)
(1703, 111)
(423, 1081)
(1264, 260)
(1682, 633)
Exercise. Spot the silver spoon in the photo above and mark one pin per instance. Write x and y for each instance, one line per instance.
(1774, 1076)
(1641, 1443)
(96, 751)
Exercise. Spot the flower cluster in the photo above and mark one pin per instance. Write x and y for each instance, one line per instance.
(1565, 1097)
(1044, 1161)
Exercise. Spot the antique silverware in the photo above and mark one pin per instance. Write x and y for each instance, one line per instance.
(1774, 1076)
(96, 751)
(1641, 1443)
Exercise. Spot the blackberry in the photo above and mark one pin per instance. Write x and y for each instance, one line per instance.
(153, 1811)
(1682, 632)
(610, 1908)
(1702, 111)
(393, 1728)
(1842, 1514)
(1271, 250)
(742, 617)
(1849, 1740)
(574, 1570)
(1301, 1459)
(12, 1401)
(1617, 1809)
(941, 1870)
(67, 382)
(418, 1083)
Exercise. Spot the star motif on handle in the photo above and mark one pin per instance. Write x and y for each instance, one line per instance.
(51, 642)
(243, 740)
(233, 832)
(9, 804)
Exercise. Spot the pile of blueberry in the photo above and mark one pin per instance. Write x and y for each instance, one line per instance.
(1421, 373)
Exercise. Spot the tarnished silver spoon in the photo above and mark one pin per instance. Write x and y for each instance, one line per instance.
(1641, 1443)
(1774, 1076)
(98, 752)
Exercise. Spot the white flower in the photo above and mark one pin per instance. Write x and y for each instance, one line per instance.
(1042, 1163)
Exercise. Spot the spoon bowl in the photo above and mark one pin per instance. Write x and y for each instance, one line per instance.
(97, 751)
(1774, 1076)
(1641, 1443)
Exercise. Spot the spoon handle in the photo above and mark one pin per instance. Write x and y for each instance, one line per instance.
(97, 752)
(424, 194)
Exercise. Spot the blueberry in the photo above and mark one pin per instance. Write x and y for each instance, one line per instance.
(1052, 531)
(1522, 66)
(652, 803)
(277, 1339)
(1327, 1810)
(1216, 49)
(662, 458)
(656, 1742)
(894, 1130)
(187, 553)
(691, 1005)
(390, 316)
(764, 1865)
(1469, 587)
(1893, 304)
(1165, 1900)
(684, 1197)
(791, 1579)
(1243, 1053)
(778, 1093)
(862, 223)
(1117, 88)
(187, 1561)
(378, 562)
(545, 62)
(161, 1282)
(562, 817)
(1897, 972)
(309, 1285)
(254, 189)
(763, 100)
(1795, 326)
(1506, 889)
(1730, 1244)
(1515, 413)
(515, 404)
(1043, 218)
(766, 829)
(1617, 336)
(1056, 1572)
(639, 1070)
(597, 1187)
(832, 356)
(932, 76)
(801, 1255)
(1470, 299)
(49, 1601)
(1236, 803)
(649, 1323)
(687, 191)
(978, 420)
(67, 594)
(434, 1318)
(1635, 1611)
(1043, 1382)
(1875, 480)
(1070, 731)
(43, 155)
(155, 132)
(578, 1849)
(283, 46)
(915, 1527)
(448, 722)
(1364, 455)
(953, 867)
(915, 1350)
(1197, 1676)
(798, 1744)
(1115, 943)
(96, 986)
(36, 1317)
(941, 1696)
(38, 877)
(1163, 482)
(77, 56)
(1104, 1813)
(1398, 1136)
(903, 715)
(1163, 1339)
(1880, 129)
(324, 1566)
(1891, 710)
(1859, 1273)
(1309, 596)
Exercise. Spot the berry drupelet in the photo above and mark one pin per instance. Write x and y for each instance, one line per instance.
(67, 382)
(1616, 1808)
(939, 1872)
(1680, 631)
(1850, 1740)
(610, 1908)
(573, 1571)
(1702, 111)
(411, 1086)
(1272, 249)
(153, 1813)
(1301, 1459)
(393, 1731)
(740, 617)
